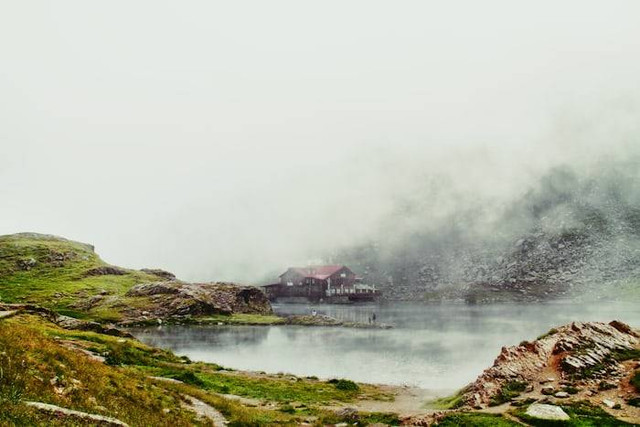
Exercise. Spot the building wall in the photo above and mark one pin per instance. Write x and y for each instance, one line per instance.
(291, 276)
(295, 284)
(337, 279)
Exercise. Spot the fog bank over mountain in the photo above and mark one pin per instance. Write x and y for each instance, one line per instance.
(573, 230)
(228, 141)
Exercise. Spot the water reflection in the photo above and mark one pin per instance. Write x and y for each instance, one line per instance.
(440, 347)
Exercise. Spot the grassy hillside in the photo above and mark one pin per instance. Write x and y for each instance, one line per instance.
(122, 378)
(64, 275)
(71, 279)
(119, 377)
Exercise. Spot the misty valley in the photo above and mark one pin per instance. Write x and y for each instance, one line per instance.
(359, 213)
(437, 347)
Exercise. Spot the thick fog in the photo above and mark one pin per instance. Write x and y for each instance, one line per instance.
(229, 140)
(440, 349)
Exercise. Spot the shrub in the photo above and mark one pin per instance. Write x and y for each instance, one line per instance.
(605, 385)
(507, 392)
(635, 380)
(474, 419)
(626, 354)
(345, 385)
(552, 331)
(449, 402)
(379, 418)
(571, 389)
(288, 409)
(187, 377)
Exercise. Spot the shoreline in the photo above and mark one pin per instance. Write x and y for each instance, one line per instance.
(246, 319)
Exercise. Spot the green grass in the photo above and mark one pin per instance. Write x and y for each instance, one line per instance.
(325, 417)
(551, 332)
(36, 351)
(508, 392)
(605, 385)
(286, 389)
(151, 361)
(449, 402)
(156, 362)
(475, 419)
(635, 380)
(345, 385)
(571, 389)
(237, 414)
(59, 279)
(589, 372)
(581, 413)
(36, 367)
(379, 417)
(243, 319)
(626, 354)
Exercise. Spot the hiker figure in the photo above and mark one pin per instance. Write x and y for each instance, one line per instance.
(373, 317)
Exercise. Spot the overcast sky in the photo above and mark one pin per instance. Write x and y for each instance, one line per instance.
(222, 140)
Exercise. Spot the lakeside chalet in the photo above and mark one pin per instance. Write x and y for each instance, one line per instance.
(321, 283)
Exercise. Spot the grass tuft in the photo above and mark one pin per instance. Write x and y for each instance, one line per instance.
(508, 391)
(346, 385)
(449, 402)
(475, 419)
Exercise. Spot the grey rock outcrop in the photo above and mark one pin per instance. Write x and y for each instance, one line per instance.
(579, 351)
(26, 264)
(160, 273)
(174, 299)
(106, 270)
(64, 322)
(67, 322)
(77, 415)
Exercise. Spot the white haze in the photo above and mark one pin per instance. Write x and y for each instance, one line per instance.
(227, 140)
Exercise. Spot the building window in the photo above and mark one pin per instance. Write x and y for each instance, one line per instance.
(343, 275)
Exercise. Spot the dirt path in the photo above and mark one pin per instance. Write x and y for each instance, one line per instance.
(205, 411)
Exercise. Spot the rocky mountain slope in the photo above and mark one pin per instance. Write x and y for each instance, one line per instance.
(573, 233)
(70, 278)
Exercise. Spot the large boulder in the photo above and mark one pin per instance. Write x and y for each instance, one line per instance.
(160, 273)
(174, 298)
(106, 270)
(547, 412)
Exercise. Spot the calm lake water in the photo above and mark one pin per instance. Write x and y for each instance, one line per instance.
(440, 347)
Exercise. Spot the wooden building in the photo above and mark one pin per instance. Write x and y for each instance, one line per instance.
(328, 283)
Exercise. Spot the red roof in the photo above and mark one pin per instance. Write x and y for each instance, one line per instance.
(317, 271)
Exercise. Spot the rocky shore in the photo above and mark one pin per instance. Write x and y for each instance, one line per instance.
(176, 299)
(581, 358)
(592, 366)
(322, 320)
